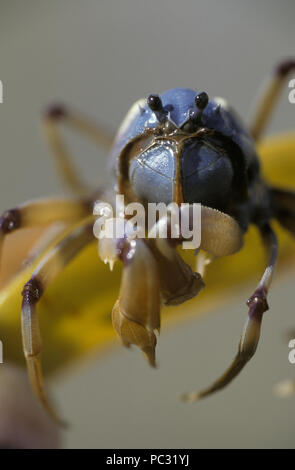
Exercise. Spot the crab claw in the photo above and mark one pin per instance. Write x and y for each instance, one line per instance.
(178, 282)
(136, 314)
(221, 234)
(134, 333)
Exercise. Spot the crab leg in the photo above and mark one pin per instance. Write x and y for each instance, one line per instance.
(45, 273)
(57, 114)
(269, 97)
(250, 336)
(40, 213)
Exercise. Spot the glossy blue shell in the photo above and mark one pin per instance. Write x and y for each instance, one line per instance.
(178, 102)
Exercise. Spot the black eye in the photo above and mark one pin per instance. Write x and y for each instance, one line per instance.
(201, 100)
(154, 102)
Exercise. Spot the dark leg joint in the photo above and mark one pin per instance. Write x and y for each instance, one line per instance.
(284, 68)
(10, 221)
(55, 112)
(125, 250)
(257, 303)
(32, 291)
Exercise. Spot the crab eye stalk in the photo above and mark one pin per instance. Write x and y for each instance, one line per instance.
(201, 100)
(195, 115)
(154, 102)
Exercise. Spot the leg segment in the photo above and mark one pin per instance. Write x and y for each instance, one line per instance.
(250, 336)
(46, 272)
(51, 235)
(53, 117)
(269, 97)
(42, 213)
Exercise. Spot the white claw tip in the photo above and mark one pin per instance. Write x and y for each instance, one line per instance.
(111, 263)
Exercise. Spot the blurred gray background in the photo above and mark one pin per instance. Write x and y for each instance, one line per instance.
(100, 56)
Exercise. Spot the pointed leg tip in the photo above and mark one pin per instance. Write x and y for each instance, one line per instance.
(63, 424)
(48, 408)
(54, 416)
(35, 375)
(150, 356)
(125, 343)
(58, 421)
(152, 362)
(191, 397)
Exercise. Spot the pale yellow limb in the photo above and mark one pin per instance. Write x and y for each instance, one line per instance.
(54, 116)
(269, 97)
(50, 235)
(46, 272)
(40, 213)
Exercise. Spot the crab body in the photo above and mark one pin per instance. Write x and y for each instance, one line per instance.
(174, 158)
(177, 148)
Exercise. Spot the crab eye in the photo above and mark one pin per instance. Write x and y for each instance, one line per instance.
(154, 102)
(201, 100)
